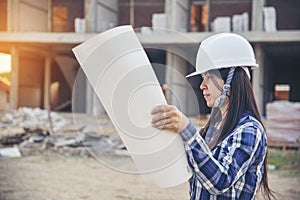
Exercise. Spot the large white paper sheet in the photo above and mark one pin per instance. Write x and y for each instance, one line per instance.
(120, 73)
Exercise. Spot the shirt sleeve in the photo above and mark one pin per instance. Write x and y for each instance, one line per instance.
(217, 173)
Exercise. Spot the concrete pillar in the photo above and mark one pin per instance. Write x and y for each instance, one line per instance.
(47, 81)
(91, 18)
(14, 87)
(257, 15)
(89, 98)
(86, 88)
(258, 78)
(12, 15)
(101, 16)
(106, 14)
(176, 69)
(49, 16)
(93, 105)
(208, 3)
(90, 8)
(177, 12)
(258, 74)
(79, 97)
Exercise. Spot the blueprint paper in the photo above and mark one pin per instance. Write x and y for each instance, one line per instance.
(122, 77)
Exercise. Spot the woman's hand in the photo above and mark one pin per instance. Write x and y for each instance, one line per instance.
(169, 117)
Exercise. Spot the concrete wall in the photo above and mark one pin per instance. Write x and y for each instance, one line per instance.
(73, 8)
(218, 9)
(31, 77)
(4, 105)
(3, 15)
(64, 91)
(142, 13)
(32, 15)
(290, 75)
(287, 11)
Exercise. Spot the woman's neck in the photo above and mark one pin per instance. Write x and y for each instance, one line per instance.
(223, 110)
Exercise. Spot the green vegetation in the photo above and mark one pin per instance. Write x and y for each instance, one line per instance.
(284, 160)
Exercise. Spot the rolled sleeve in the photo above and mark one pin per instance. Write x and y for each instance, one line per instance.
(189, 132)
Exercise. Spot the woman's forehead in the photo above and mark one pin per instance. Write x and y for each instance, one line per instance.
(210, 72)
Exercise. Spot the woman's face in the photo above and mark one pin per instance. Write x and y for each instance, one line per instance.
(211, 87)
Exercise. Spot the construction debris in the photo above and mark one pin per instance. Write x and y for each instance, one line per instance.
(283, 124)
(36, 131)
(11, 152)
(32, 119)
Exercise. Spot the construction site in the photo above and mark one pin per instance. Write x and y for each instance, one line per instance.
(56, 139)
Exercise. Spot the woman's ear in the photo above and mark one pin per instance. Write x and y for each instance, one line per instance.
(228, 93)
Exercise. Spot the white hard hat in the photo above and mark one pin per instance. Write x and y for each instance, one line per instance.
(224, 50)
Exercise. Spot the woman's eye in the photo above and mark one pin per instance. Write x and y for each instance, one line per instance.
(208, 76)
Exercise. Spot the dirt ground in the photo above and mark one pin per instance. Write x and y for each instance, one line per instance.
(57, 177)
(47, 178)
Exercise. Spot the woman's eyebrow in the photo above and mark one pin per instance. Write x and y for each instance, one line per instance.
(204, 74)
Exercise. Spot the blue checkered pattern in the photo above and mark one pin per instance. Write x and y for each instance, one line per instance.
(233, 169)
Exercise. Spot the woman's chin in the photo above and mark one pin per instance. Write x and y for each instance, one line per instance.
(209, 104)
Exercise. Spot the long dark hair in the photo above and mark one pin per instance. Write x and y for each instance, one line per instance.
(241, 99)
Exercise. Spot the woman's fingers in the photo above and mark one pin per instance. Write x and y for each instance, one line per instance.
(163, 112)
(163, 108)
(167, 117)
(164, 122)
(159, 116)
(160, 109)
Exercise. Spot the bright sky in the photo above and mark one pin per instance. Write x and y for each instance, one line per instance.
(5, 63)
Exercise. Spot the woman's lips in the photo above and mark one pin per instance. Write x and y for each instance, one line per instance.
(206, 96)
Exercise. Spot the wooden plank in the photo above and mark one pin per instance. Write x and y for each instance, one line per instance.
(14, 78)
(49, 16)
(35, 50)
(47, 79)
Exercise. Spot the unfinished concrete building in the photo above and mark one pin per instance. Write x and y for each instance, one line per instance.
(36, 38)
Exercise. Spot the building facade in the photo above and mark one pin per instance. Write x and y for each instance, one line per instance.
(38, 36)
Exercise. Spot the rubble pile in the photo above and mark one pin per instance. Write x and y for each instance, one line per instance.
(32, 118)
(34, 131)
(283, 123)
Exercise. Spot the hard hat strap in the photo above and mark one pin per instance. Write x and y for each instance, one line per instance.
(221, 100)
(247, 71)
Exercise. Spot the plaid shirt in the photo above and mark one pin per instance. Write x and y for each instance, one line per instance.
(233, 169)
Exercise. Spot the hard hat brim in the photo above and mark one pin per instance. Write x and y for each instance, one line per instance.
(193, 74)
(253, 66)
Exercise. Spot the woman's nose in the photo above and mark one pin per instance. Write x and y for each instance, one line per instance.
(203, 85)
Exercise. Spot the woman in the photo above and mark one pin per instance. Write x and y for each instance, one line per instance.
(227, 155)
